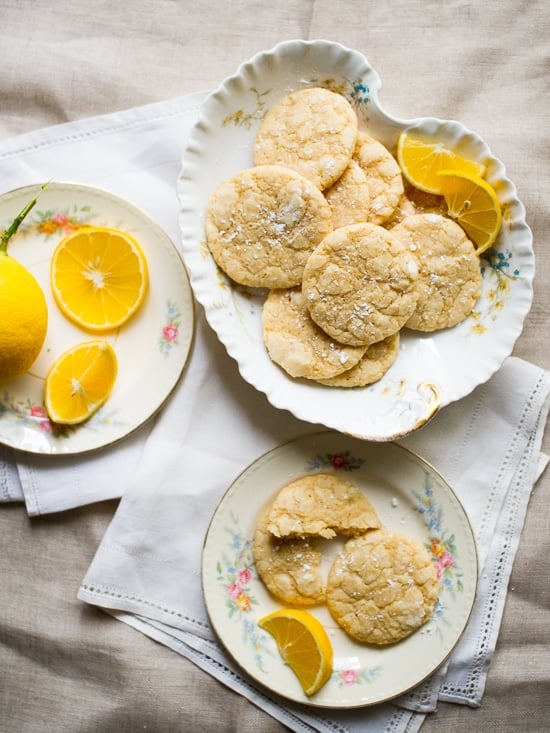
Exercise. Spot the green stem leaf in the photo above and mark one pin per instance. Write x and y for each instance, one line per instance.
(8, 233)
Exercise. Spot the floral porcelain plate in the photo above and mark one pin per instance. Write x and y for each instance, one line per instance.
(410, 497)
(431, 370)
(152, 348)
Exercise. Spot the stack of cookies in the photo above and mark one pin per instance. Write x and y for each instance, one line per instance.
(349, 257)
(382, 585)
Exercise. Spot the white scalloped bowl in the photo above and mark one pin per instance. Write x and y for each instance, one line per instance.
(432, 370)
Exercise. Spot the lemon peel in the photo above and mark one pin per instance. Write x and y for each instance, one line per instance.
(473, 203)
(303, 644)
(421, 158)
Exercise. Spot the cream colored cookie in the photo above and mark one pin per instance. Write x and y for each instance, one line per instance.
(383, 175)
(414, 201)
(405, 207)
(370, 189)
(323, 505)
(382, 587)
(263, 223)
(359, 284)
(312, 131)
(449, 282)
(289, 568)
(297, 344)
(349, 197)
(376, 361)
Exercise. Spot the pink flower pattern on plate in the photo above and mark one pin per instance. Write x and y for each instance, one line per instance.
(235, 572)
(350, 677)
(338, 461)
(51, 222)
(170, 330)
(442, 543)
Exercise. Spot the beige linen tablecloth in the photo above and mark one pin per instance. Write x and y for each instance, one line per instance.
(69, 667)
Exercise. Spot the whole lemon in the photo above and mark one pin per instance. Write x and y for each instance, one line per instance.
(24, 318)
(23, 308)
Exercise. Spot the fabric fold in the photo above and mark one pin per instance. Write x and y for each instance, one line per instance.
(10, 484)
(147, 569)
(173, 471)
(134, 154)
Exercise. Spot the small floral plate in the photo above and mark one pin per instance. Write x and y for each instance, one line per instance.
(152, 348)
(410, 497)
(432, 369)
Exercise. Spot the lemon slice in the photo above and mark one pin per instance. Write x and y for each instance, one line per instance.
(421, 159)
(80, 381)
(303, 644)
(98, 277)
(473, 203)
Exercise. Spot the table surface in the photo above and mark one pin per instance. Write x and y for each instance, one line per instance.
(69, 667)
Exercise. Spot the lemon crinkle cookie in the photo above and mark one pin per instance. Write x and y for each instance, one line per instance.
(297, 344)
(381, 587)
(372, 366)
(289, 568)
(262, 224)
(449, 281)
(359, 284)
(312, 131)
(370, 189)
(322, 505)
(349, 197)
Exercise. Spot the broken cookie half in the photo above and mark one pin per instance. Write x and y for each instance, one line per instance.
(321, 505)
(287, 544)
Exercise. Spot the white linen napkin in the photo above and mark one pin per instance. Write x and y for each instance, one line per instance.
(135, 154)
(174, 470)
(147, 568)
